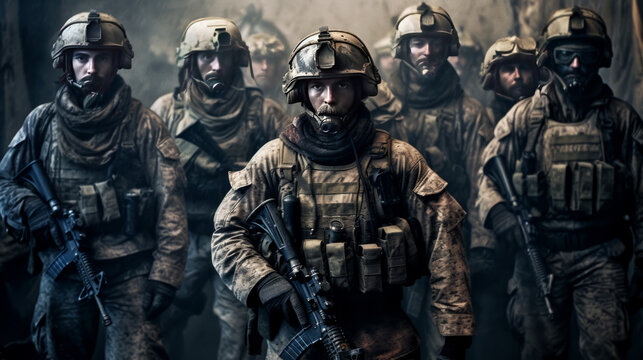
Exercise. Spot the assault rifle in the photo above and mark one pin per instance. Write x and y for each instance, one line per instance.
(495, 170)
(309, 286)
(66, 223)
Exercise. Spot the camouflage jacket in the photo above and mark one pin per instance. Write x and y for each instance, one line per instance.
(451, 136)
(511, 134)
(262, 120)
(241, 266)
(156, 158)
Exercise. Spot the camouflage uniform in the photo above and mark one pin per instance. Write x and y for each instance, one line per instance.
(321, 170)
(583, 195)
(92, 169)
(241, 128)
(448, 127)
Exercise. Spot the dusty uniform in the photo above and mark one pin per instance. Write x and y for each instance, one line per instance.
(334, 192)
(590, 178)
(96, 159)
(239, 132)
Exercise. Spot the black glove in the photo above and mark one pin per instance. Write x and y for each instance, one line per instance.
(636, 287)
(281, 301)
(454, 347)
(40, 224)
(158, 296)
(505, 226)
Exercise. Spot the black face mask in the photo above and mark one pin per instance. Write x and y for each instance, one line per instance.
(575, 79)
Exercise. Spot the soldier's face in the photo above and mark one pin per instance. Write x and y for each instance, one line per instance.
(94, 70)
(428, 54)
(265, 71)
(576, 64)
(216, 68)
(331, 96)
(516, 79)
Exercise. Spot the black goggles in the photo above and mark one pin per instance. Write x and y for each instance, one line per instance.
(587, 55)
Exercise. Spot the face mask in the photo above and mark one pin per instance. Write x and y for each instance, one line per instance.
(575, 78)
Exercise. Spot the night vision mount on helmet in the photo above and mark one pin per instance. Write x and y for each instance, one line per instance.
(92, 30)
(329, 54)
(575, 23)
(424, 20)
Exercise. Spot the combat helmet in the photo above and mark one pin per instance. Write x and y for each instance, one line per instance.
(265, 45)
(211, 34)
(575, 23)
(423, 20)
(329, 54)
(506, 49)
(92, 30)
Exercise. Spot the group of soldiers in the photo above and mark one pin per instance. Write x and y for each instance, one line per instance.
(384, 186)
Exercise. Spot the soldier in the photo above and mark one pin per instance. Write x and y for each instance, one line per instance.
(316, 160)
(575, 152)
(218, 123)
(268, 55)
(449, 128)
(101, 148)
(466, 65)
(509, 70)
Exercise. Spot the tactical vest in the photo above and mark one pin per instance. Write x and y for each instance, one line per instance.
(442, 145)
(568, 173)
(339, 234)
(111, 199)
(207, 178)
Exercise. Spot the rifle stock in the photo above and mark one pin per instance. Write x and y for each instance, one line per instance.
(495, 170)
(65, 220)
(309, 286)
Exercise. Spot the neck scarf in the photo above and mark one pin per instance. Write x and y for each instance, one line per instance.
(91, 136)
(335, 149)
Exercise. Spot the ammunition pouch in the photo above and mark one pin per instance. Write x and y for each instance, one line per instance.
(101, 208)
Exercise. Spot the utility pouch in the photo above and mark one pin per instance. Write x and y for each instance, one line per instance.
(558, 178)
(582, 188)
(108, 200)
(88, 205)
(139, 210)
(313, 253)
(370, 268)
(605, 178)
(391, 240)
(339, 264)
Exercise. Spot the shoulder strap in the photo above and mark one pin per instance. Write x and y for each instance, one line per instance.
(287, 166)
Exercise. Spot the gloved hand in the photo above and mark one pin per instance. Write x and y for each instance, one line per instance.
(40, 224)
(158, 296)
(505, 226)
(636, 287)
(454, 347)
(281, 301)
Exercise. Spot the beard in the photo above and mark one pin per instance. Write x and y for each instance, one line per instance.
(520, 90)
(329, 119)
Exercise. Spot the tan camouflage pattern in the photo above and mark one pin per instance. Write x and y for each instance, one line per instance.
(510, 137)
(241, 266)
(159, 156)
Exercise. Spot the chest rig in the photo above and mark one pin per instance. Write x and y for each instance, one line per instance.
(568, 171)
(439, 136)
(113, 198)
(206, 162)
(344, 229)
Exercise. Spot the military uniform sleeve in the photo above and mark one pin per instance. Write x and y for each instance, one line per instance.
(234, 255)
(24, 148)
(478, 132)
(441, 218)
(165, 175)
(508, 140)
